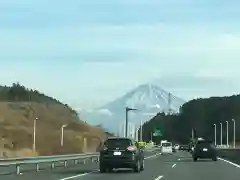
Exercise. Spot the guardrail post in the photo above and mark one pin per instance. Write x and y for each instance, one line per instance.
(53, 165)
(84, 161)
(97, 160)
(18, 169)
(65, 164)
(76, 161)
(37, 167)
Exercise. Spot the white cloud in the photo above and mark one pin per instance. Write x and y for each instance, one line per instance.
(105, 112)
(117, 58)
(154, 51)
(158, 106)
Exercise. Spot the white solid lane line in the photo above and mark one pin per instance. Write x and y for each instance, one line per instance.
(229, 162)
(159, 177)
(174, 165)
(153, 156)
(80, 175)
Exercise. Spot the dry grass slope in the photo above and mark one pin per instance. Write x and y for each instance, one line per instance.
(16, 130)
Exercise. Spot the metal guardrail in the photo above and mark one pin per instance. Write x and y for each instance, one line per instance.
(47, 159)
(223, 146)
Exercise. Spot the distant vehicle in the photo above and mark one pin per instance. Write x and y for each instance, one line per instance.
(121, 153)
(176, 147)
(204, 150)
(142, 144)
(191, 147)
(163, 141)
(183, 148)
(167, 148)
(173, 149)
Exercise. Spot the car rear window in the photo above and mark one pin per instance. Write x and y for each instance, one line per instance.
(118, 143)
(166, 144)
(203, 144)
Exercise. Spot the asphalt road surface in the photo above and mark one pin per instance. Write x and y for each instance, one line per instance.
(178, 166)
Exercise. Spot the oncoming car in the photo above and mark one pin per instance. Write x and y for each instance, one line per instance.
(121, 153)
(167, 148)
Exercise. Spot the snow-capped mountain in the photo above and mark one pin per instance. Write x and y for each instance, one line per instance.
(148, 99)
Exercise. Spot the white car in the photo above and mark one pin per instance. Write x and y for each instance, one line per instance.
(176, 146)
(167, 148)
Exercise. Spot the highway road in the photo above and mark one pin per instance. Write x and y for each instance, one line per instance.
(178, 166)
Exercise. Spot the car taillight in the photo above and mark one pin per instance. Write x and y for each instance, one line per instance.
(132, 148)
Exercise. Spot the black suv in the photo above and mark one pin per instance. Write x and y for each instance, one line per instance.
(121, 153)
(204, 150)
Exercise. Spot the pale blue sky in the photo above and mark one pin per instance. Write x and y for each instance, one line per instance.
(99, 49)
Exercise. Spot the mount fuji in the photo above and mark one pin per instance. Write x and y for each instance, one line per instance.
(148, 99)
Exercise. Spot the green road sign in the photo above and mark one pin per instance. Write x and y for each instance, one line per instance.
(157, 132)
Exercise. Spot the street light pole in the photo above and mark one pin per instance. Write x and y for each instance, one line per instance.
(34, 134)
(215, 134)
(62, 133)
(141, 132)
(192, 133)
(227, 133)
(221, 133)
(234, 133)
(136, 134)
(126, 125)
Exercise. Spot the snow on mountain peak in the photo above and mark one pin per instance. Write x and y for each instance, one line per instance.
(147, 98)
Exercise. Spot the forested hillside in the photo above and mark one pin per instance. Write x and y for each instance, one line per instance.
(200, 115)
(19, 107)
(19, 93)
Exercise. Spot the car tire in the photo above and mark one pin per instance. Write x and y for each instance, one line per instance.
(102, 168)
(195, 159)
(142, 166)
(137, 166)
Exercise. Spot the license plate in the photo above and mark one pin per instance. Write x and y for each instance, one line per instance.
(117, 153)
(205, 149)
